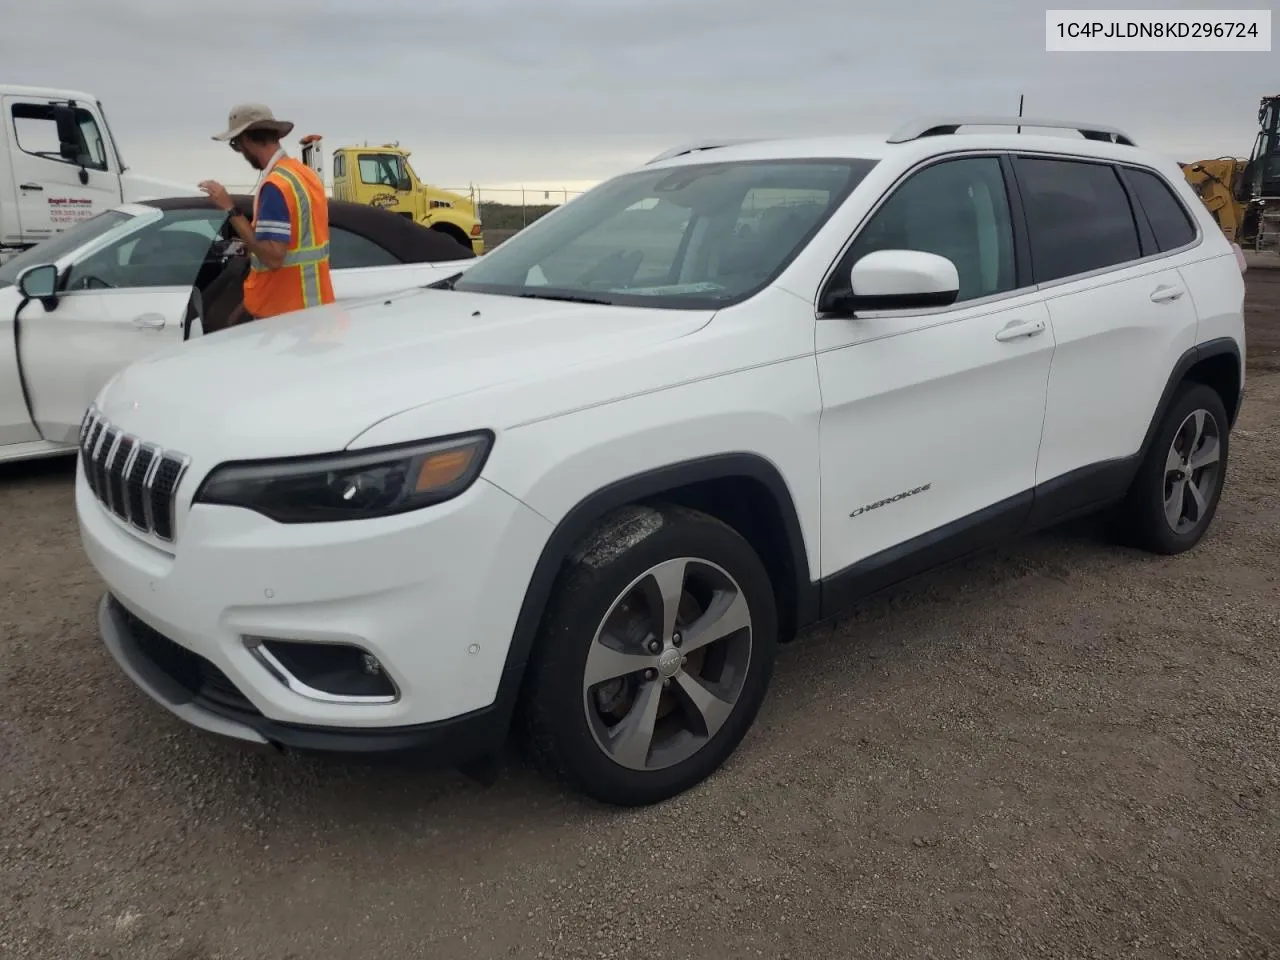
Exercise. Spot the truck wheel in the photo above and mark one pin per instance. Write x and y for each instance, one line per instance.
(655, 656)
(1175, 494)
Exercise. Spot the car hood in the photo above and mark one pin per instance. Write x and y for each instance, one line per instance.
(314, 380)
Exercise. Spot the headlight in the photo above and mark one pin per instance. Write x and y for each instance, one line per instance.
(350, 486)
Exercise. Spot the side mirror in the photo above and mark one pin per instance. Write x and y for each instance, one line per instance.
(68, 128)
(901, 280)
(39, 282)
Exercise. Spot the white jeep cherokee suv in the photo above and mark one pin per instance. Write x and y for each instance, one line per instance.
(592, 481)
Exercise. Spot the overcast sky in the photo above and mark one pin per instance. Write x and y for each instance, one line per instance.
(566, 92)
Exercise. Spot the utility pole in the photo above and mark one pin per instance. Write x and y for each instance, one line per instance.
(1020, 98)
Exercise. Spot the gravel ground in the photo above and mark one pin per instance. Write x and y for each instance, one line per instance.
(1060, 749)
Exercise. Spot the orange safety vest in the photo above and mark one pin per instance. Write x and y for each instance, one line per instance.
(303, 280)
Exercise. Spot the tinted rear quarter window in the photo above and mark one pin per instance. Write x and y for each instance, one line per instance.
(1169, 219)
(349, 250)
(1079, 217)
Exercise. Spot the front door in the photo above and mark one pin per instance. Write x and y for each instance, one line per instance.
(931, 419)
(53, 190)
(117, 305)
(70, 353)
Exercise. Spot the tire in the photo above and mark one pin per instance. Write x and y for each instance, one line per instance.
(604, 614)
(1162, 474)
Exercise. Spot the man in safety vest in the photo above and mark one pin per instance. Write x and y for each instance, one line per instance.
(288, 240)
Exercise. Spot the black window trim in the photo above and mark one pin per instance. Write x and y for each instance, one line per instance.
(1021, 229)
(1125, 169)
(1017, 216)
(1146, 239)
(1140, 220)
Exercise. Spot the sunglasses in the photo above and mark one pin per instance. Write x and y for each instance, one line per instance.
(235, 144)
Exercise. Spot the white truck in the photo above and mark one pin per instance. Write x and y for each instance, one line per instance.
(60, 164)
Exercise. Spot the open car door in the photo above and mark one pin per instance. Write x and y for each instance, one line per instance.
(116, 305)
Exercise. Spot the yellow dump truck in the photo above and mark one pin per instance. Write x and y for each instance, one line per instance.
(381, 176)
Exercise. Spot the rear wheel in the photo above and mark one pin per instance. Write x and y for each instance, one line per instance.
(655, 657)
(1176, 492)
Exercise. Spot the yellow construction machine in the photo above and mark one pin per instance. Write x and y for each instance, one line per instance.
(1244, 195)
(382, 177)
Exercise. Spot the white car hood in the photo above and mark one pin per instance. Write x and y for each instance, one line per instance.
(313, 381)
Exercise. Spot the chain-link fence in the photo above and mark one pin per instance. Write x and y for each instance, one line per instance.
(503, 210)
(511, 208)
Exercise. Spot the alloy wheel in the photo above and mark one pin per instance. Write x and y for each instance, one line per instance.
(668, 663)
(1191, 471)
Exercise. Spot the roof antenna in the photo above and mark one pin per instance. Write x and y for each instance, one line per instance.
(1020, 96)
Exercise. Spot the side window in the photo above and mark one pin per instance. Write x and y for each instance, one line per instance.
(166, 253)
(957, 209)
(1079, 216)
(36, 132)
(349, 250)
(1169, 219)
(92, 138)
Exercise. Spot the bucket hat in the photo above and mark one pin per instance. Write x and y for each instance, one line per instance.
(253, 116)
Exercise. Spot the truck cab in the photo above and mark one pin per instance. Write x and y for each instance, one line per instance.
(382, 177)
(60, 164)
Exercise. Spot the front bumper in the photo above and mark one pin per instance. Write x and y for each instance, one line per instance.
(433, 595)
(199, 693)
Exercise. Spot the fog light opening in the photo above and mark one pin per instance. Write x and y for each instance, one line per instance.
(328, 672)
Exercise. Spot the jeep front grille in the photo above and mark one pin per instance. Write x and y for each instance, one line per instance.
(134, 480)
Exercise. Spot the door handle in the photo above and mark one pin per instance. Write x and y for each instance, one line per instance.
(149, 320)
(31, 186)
(1016, 329)
(1165, 294)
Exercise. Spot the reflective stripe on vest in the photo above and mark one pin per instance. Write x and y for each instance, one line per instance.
(305, 254)
(306, 239)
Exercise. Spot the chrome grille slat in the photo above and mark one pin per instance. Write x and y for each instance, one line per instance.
(134, 480)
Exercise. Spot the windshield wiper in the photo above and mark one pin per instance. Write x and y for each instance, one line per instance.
(445, 284)
(566, 297)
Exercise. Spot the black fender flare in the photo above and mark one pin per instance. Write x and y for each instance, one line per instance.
(649, 485)
(1221, 346)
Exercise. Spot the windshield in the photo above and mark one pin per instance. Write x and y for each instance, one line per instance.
(60, 244)
(689, 237)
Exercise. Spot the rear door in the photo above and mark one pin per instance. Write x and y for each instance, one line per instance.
(119, 304)
(57, 183)
(1122, 317)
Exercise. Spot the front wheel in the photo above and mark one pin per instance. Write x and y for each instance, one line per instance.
(655, 657)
